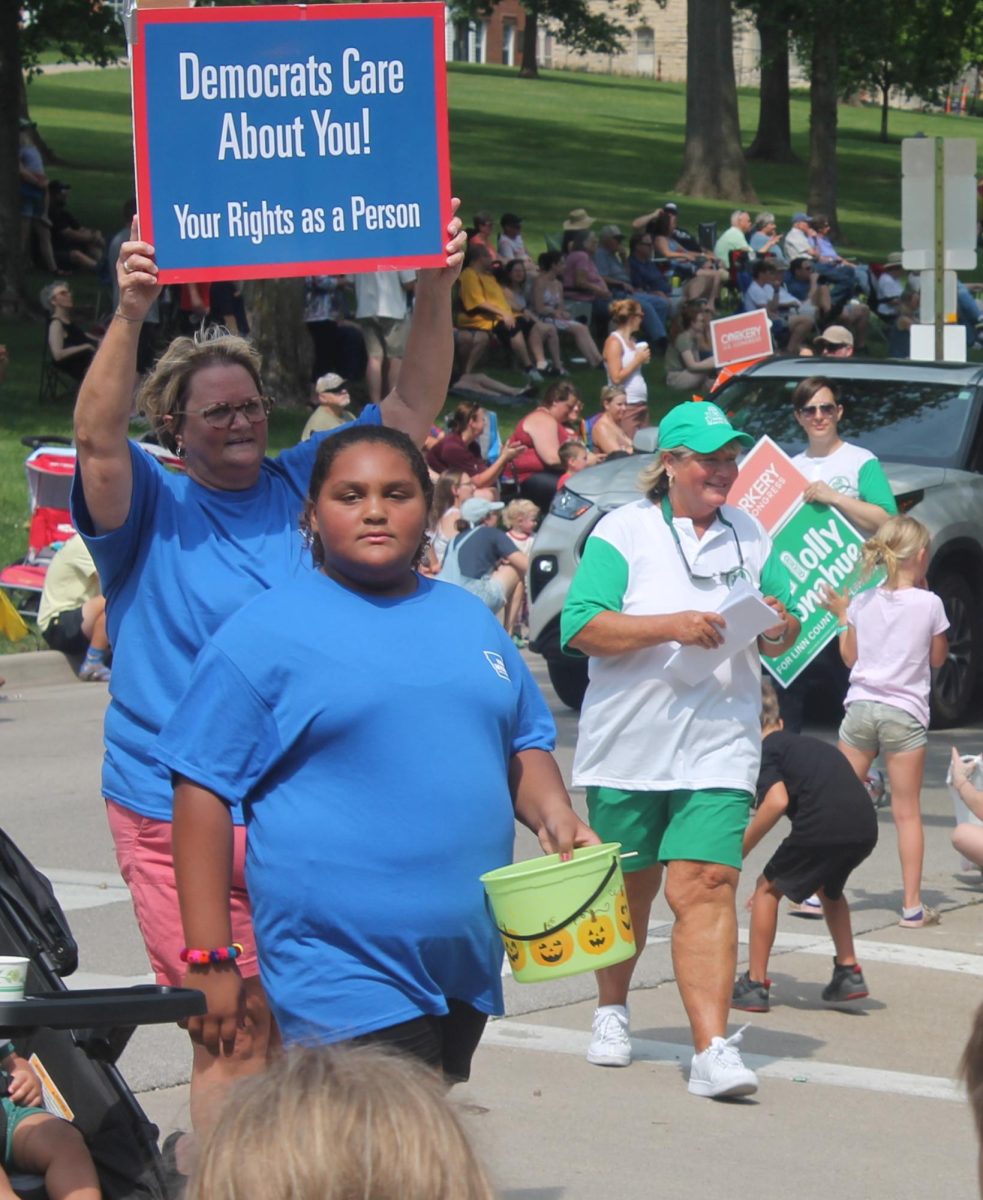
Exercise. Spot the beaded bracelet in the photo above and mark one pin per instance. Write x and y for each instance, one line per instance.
(199, 958)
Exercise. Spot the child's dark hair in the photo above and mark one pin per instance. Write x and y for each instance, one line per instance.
(570, 450)
(355, 435)
(808, 388)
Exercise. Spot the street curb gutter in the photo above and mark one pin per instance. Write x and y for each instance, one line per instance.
(40, 669)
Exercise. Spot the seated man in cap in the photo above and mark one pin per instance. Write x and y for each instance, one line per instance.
(835, 341)
(800, 242)
(482, 558)
(332, 406)
(614, 271)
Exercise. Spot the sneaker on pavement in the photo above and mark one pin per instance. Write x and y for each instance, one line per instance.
(918, 920)
(847, 984)
(719, 1072)
(812, 906)
(750, 995)
(610, 1044)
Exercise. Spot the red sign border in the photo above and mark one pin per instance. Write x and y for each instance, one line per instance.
(434, 12)
(751, 355)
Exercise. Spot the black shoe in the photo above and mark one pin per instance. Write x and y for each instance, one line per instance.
(847, 984)
(749, 995)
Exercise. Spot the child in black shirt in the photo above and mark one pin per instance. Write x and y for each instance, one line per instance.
(834, 828)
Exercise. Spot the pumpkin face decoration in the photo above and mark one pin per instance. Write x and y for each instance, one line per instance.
(596, 934)
(515, 952)
(553, 950)
(623, 915)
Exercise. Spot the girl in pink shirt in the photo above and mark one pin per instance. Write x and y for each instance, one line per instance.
(891, 637)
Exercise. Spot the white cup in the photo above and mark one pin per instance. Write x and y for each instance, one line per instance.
(13, 977)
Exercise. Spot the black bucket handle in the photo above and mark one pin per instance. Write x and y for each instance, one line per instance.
(545, 933)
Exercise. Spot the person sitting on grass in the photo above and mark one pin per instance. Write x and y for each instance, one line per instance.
(834, 828)
(37, 1141)
(70, 347)
(72, 612)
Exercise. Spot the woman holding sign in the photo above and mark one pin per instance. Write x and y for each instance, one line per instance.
(851, 480)
(178, 554)
(670, 767)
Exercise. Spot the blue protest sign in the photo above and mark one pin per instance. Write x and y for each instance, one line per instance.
(291, 140)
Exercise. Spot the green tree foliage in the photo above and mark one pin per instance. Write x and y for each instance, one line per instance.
(915, 49)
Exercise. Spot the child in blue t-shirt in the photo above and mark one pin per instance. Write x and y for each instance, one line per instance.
(314, 707)
(36, 1141)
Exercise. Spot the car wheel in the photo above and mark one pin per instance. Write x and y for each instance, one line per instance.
(569, 679)
(955, 680)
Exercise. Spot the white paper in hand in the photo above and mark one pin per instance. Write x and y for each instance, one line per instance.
(746, 615)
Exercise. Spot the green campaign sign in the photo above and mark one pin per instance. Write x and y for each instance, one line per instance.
(819, 549)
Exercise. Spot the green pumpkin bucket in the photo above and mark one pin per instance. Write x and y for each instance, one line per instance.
(562, 918)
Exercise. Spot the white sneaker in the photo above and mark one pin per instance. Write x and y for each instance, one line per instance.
(610, 1045)
(719, 1071)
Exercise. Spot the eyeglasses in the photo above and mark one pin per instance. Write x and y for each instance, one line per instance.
(728, 578)
(222, 416)
(814, 410)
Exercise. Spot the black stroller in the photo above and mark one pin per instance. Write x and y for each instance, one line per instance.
(74, 1038)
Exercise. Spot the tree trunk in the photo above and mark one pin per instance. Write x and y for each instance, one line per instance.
(713, 161)
(276, 318)
(530, 67)
(885, 97)
(10, 230)
(773, 140)
(822, 122)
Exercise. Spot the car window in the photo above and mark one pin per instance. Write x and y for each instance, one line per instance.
(930, 423)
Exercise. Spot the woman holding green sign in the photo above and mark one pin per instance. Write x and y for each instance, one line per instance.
(851, 480)
(670, 767)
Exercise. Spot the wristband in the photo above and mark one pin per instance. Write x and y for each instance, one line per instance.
(842, 629)
(200, 958)
(117, 315)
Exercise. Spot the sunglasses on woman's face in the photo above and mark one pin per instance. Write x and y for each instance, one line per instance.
(814, 410)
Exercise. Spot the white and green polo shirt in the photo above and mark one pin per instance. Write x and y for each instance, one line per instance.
(640, 729)
(851, 471)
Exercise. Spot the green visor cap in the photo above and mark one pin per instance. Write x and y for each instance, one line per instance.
(699, 425)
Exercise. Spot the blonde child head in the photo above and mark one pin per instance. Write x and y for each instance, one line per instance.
(516, 511)
(770, 714)
(329, 1123)
(897, 542)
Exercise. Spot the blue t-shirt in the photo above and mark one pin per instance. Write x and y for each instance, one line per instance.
(185, 558)
(373, 771)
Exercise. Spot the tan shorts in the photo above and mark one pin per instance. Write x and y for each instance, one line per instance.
(385, 337)
(146, 862)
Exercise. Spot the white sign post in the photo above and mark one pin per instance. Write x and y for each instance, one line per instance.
(938, 230)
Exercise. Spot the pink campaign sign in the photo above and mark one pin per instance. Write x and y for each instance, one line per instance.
(738, 338)
(769, 485)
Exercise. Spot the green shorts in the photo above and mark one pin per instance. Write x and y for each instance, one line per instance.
(15, 1113)
(700, 826)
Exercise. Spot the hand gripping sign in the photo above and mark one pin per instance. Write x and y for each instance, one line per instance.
(818, 547)
(291, 140)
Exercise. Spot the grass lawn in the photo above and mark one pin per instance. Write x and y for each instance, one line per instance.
(610, 144)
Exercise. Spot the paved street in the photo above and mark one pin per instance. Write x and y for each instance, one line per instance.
(860, 1101)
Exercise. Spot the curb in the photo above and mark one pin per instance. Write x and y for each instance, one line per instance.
(42, 668)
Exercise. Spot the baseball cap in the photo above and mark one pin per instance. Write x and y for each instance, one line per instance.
(836, 335)
(611, 231)
(797, 217)
(697, 425)
(475, 510)
(670, 206)
(329, 383)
